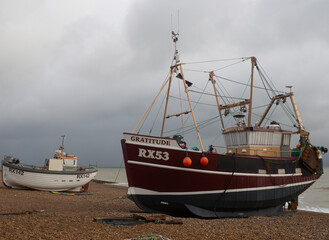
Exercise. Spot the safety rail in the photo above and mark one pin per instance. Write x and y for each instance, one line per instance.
(258, 151)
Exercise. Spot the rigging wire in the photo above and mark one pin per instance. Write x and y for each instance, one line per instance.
(203, 71)
(230, 65)
(218, 60)
(146, 115)
(207, 104)
(263, 70)
(290, 116)
(156, 117)
(283, 124)
(267, 85)
(193, 70)
(115, 180)
(260, 76)
(264, 80)
(271, 114)
(211, 94)
(237, 82)
(144, 120)
(291, 111)
(197, 102)
(223, 92)
(201, 124)
(231, 115)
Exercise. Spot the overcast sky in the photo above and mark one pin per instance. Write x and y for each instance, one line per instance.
(89, 69)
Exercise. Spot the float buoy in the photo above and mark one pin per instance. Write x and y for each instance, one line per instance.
(204, 161)
(187, 162)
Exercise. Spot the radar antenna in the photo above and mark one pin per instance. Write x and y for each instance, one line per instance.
(174, 36)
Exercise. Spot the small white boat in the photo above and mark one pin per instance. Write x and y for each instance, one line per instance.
(60, 173)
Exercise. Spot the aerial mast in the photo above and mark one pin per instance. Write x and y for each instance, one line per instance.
(172, 70)
(62, 146)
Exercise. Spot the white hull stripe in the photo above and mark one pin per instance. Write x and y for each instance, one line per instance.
(213, 172)
(142, 191)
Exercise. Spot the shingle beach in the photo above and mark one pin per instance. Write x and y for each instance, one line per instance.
(28, 214)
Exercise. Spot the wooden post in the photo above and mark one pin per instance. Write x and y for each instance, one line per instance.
(270, 105)
(266, 111)
(253, 60)
(165, 111)
(296, 112)
(189, 101)
(153, 101)
(211, 74)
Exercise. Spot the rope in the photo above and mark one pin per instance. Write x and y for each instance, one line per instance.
(211, 94)
(230, 65)
(156, 117)
(272, 119)
(207, 104)
(261, 78)
(289, 114)
(146, 116)
(223, 93)
(191, 126)
(237, 82)
(218, 60)
(198, 101)
(118, 171)
(140, 128)
(226, 187)
(263, 71)
(270, 114)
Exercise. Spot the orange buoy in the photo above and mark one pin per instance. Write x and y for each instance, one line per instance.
(187, 162)
(318, 151)
(204, 161)
(298, 146)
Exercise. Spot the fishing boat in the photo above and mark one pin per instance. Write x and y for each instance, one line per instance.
(255, 172)
(60, 173)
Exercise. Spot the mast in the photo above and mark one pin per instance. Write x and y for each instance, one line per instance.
(189, 101)
(253, 61)
(174, 37)
(166, 106)
(211, 74)
(62, 146)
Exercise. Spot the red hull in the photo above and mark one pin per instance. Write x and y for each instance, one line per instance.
(228, 184)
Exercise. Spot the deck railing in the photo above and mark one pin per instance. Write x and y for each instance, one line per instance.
(242, 150)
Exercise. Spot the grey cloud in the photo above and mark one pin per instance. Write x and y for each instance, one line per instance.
(90, 69)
